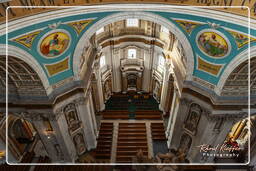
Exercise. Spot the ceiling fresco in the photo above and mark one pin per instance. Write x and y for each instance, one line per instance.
(52, 43)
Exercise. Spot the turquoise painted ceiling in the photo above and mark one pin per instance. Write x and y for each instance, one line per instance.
(201, 24)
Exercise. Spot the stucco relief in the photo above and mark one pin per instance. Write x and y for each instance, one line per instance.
(193, 118)
(72, 117)
(79, 143)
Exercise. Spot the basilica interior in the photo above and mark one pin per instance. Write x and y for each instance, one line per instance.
(130, 83)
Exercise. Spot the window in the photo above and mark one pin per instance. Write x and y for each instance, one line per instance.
(102, 61)
(164, 30)
(161, 60)
(131, 53)
(132, 22)
(100, 30)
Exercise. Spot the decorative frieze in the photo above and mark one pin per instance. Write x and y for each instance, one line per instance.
(226, 116)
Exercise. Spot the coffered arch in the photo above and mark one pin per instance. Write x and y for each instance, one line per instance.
(237, 82)
(28, 59)
(243, 57)
(23, 82)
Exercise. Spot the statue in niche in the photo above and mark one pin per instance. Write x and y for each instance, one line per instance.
(156, 90)
(71, 117)
(107, 89)
(193, 118)
(185, 143)
(83, 57)
(79, 143)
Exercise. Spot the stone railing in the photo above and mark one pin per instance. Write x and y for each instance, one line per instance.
(136, 61)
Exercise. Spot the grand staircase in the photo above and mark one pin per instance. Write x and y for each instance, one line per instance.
(158, 131)
(130, 113)
(103, 151)
(131, 138)
(141, 114)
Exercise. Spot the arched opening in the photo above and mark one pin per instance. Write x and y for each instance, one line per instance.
(134, 71)
(237, 82)
(169, 29)
(25, 90)
(132, 80)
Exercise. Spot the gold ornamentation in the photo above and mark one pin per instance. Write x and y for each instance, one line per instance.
(241, 39)
(79, 26)
(27, 40)
(54, 44)
(56, 68)
(187, 25)
(208, 67)
(212, 44)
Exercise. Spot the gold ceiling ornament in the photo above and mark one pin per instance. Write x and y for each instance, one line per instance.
(210, 68)
(241, 39)
(79, 26)
(27, 40)
(188, 26)
(54, 69)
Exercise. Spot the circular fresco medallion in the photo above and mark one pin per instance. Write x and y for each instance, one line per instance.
(54, 44)
(213, 44)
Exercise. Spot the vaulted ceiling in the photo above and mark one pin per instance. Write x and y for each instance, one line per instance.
(206, 62)
(237, 82)
(23, 81)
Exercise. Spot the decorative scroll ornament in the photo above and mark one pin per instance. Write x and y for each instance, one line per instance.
(226, 116)
(27, 40)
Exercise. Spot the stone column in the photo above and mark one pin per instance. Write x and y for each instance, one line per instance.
(99, 86)
(117, 80)
(93, 114)
(139, 82)
(95, 93)
(83, 109)
(76, 122)
(65, 144)
(180, 112)
(173, 112)
(63, 127)
(124, 82)
(165, 95)
(53, 141)
(147, 71)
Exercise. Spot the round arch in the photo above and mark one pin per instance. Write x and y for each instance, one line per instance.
(142, 16)
(26, 57)
(240, 58)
